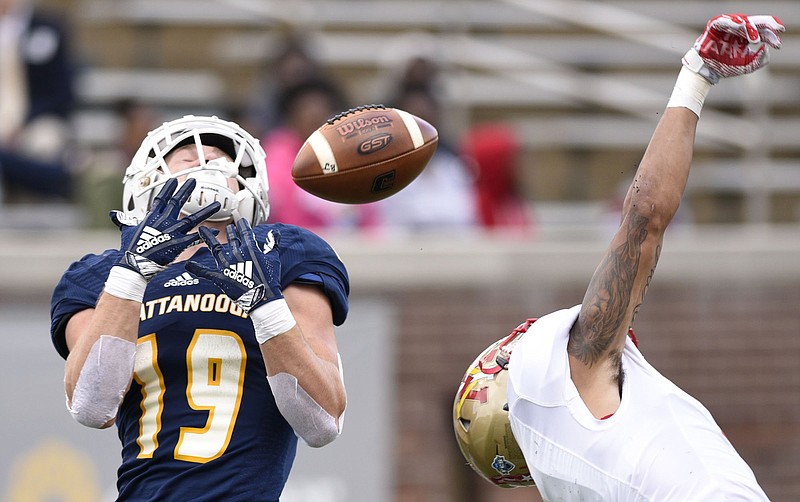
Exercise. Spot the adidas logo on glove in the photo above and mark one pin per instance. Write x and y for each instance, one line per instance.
(185, 279)
(150, 238)
(241, 273)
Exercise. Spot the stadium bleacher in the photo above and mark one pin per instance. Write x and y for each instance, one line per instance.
(570, 75)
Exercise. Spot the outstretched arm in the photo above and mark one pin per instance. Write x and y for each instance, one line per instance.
(731, 45)
(619, 283)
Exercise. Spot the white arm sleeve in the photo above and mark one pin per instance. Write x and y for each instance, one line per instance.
(103, 381)
(309, 420)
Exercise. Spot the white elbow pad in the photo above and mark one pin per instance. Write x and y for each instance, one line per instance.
(309, 420)
(103, 381)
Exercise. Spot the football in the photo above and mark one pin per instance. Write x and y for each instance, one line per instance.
(365, 154)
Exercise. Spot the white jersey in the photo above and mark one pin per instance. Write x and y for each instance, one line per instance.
(660, 445)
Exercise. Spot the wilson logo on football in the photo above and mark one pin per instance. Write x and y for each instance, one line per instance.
(375, 144)
(360, 124)
(150, 238)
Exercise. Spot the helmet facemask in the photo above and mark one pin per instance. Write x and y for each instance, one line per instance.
(149, 170)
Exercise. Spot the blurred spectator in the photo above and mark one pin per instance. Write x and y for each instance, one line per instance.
(442, 197)
(420, 73)
(303, 108)
(98, 185)
(292, 65)
(494, 150)
(36, 100)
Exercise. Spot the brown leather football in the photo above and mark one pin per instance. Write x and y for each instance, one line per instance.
(364, 155)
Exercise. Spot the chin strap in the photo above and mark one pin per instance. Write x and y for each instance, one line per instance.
(212, 185)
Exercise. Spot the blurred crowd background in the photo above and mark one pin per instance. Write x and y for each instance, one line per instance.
(544, 108)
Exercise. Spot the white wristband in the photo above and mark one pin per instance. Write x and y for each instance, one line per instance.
(690, 91)
(272, 319)
(126, 284)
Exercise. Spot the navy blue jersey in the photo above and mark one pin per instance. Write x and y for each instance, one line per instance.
(200, 422)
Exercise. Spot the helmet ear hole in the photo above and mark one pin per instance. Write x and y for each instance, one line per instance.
(247, 171)
(465, 423)
(131, 205)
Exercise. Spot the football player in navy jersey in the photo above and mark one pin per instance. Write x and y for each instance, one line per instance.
(208, 336)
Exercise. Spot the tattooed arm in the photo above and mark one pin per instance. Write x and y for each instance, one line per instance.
(618, 286)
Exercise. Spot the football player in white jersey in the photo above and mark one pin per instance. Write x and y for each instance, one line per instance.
(592, 420)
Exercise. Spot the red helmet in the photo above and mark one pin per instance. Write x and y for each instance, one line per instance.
(480, 416)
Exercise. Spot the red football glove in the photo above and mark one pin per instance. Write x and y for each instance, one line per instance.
(733, 44)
